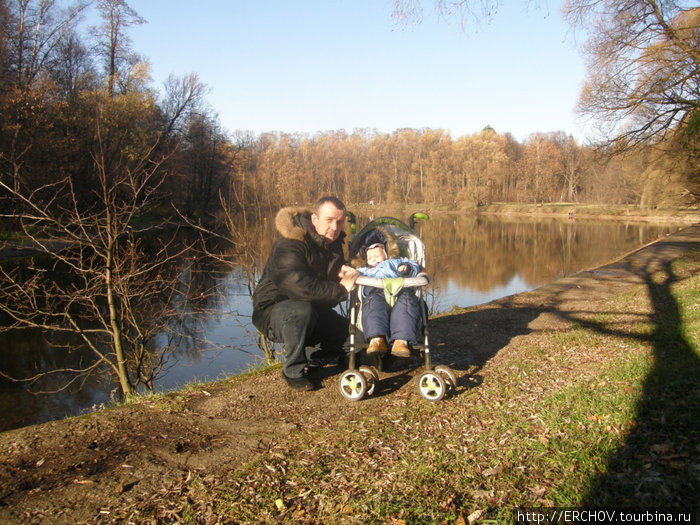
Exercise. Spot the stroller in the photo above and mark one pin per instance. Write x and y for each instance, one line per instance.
(435, 382)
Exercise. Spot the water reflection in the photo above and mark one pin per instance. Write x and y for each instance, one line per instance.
(475, 260)
(28, 353)
(470, 260)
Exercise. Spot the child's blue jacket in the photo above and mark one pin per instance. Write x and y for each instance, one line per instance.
(389, 268)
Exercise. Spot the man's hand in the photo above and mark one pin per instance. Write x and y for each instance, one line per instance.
(348, 275)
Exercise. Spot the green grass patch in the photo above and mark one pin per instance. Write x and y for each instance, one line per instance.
(588, 421)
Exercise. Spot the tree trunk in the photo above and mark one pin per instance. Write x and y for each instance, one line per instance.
(122, 373)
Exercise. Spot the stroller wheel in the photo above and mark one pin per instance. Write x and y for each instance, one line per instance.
(353, 385)
(432, 386)
(448, 375)
(371, 378)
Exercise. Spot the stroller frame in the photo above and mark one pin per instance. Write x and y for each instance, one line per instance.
(435, 382)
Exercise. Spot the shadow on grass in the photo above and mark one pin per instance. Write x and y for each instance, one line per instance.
(658, 467)
(468, 341)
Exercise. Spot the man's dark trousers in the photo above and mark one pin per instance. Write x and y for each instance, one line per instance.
(298, 324)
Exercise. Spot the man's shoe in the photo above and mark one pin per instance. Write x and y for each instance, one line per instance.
(377, 345)
(298, 383)
(400, 348)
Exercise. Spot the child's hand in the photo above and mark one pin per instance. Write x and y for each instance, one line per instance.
(404, 270)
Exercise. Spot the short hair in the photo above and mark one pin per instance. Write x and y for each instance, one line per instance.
(335, 201)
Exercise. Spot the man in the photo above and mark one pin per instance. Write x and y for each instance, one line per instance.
(304, 279)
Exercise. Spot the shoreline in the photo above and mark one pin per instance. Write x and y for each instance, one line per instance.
(554, 210)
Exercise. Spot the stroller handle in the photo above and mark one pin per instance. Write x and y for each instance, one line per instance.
(421, 279)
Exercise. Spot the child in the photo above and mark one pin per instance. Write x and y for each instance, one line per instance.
(380, 321)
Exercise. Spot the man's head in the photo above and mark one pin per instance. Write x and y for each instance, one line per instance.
(375, 254)
(328, 218)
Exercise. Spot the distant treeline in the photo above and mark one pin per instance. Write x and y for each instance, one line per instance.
(77, 112)
(428, 166)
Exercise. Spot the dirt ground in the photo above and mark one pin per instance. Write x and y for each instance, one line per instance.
(79, 470)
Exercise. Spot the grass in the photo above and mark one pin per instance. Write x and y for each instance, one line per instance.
(11, 236)
(518, 443)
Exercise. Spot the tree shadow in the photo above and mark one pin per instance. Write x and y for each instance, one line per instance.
(657, 466)
(467, 341)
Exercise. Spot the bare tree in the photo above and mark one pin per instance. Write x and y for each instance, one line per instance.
(643, 85)
(643, 66)
(102, 282)
(241, 227)
(183, 96)
(572, 162)
(35, 29)
(406, 12)
(72, 69)
(113, 42)
(242, 230)
(31, 32)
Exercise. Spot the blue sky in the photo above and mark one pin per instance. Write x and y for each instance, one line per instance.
(319, 65)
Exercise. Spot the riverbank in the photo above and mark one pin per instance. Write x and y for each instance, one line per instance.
(583, 391)
(561, 210)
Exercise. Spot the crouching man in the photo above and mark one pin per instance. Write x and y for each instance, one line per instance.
(303, 280)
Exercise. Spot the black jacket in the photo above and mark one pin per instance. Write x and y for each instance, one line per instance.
(302, 266)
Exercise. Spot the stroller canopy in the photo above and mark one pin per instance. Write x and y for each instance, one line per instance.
(399, 240)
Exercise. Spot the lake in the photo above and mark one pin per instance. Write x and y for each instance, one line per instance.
(471, 260)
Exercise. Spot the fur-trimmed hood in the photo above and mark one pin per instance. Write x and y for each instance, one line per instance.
(295, 223)
(290, 222)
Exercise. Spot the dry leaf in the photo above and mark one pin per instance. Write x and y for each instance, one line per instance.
(83, 481)
(538, 491)
(478, 494)
(662, 448)
(492, 471)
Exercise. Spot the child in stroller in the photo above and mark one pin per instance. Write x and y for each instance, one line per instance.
(400, 245)
(394, 318)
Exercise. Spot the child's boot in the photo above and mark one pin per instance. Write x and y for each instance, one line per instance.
(400, 348)
(377, 345)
